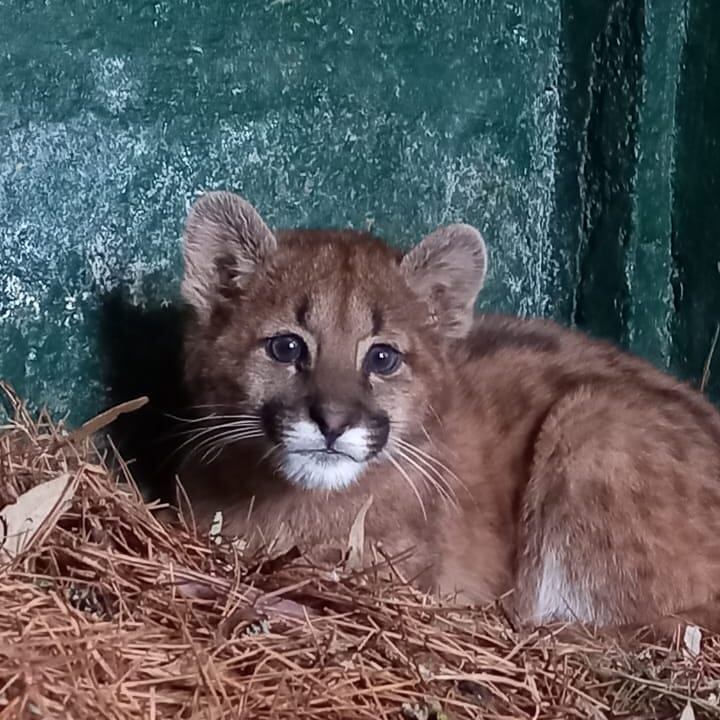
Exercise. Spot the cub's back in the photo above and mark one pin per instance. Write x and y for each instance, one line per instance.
(517, 369)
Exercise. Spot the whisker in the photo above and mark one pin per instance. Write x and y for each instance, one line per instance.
(197, 434)
(231, 433)
(225, 438)
(213, 450)
(442, 490)
(435, 473)
(434, 485)
(407, 479)
(435, 413)
(222, 442)
(223, 426)
(186, 438)
(267, 454)
(244, 424)
(213, 416)
(429, 459)
(198, 406)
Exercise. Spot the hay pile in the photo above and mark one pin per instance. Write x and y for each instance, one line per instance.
(111, 614)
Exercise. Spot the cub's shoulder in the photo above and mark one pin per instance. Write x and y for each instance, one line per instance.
(493, 334)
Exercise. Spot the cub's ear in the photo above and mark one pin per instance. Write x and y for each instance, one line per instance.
(447, 270)
(224, 242)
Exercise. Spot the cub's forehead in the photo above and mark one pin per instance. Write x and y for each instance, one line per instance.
(347, 309)
(346, 285)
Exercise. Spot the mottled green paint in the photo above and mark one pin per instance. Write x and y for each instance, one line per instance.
(696, 207)
(649, 258)
(580, 136)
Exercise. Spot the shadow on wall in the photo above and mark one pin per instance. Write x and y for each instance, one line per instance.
(141, 351)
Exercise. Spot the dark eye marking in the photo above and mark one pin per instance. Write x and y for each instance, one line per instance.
(382, 359)
(377, 321)
(302, 310)
(287, 349)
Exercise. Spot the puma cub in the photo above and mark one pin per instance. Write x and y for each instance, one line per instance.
(508, 454)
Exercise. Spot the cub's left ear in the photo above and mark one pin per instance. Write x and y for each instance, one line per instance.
(447, 270)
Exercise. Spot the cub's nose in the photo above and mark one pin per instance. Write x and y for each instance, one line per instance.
(332, 420)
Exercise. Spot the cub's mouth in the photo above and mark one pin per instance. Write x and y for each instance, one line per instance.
(321, 469)
(318, 455)
(325, 452)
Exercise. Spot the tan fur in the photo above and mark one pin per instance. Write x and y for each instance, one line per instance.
(570, 468)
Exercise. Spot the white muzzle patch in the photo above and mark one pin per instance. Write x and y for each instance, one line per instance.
(307, 461)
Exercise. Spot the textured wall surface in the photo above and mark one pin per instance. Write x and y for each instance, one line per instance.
(397, 116)
(581, 136)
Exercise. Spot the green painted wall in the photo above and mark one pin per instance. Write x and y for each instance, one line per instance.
(581, 136)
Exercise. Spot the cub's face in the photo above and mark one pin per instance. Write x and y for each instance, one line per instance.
(327, 348)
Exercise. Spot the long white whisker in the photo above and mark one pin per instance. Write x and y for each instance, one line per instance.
(213, 416)
(441, 489)
(215, 448)
(407, 479)
(205, 406)
(198, 431)
(437, 417)
(223, 439)
(428, 459)
(431, 463)
(441, 483)
(213, 451)
(221, 443)
(267, 454)
(238, 434)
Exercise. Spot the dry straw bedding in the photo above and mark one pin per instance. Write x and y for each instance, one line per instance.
(109, 613)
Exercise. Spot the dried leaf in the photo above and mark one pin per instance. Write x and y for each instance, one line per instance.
(286, 608)
(423, 711)
(197, 590)
(215, 532)
(688, 713)
(692, 640)
(257, 605)
(356, 538)
(21, 521)
(106, 418)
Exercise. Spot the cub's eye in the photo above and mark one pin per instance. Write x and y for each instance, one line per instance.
(382, 360)
(286, 348)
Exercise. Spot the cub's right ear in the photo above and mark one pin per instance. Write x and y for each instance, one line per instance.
(224, 242)
(447, 270)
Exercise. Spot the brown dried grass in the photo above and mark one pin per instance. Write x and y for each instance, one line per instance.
(111, 614)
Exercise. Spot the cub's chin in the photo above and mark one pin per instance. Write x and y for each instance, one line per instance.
(321, 469)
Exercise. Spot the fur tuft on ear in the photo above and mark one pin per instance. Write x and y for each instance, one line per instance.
(447, 269)
(225, 240)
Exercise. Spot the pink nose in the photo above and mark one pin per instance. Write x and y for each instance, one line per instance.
(332, 421)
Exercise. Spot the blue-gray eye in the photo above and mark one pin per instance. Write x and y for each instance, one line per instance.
(286, 348)
(382, 360)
